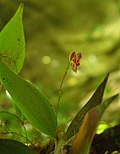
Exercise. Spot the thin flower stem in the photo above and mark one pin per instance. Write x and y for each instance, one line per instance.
(60, 89)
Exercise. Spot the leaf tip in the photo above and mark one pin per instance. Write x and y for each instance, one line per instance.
(106, 78)
(22, 5)
(117, 95)
(20, 8)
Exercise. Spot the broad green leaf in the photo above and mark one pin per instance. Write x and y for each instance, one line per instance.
(32, 102)
(84, 137)
(8, 146)
(12, 42)
(96, 99)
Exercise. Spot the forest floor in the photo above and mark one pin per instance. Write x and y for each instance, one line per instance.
(107, 142)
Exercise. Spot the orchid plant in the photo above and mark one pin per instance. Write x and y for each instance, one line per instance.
(33, 103)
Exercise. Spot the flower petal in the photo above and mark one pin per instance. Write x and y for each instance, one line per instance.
(73, 66)
(73, 56)
(75, 60)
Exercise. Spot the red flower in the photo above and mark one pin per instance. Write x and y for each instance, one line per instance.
(75, 60)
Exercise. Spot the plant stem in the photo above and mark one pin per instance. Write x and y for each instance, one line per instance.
(60, 89)
(58, 146)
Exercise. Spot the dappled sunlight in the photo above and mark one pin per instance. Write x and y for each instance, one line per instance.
(46, 60)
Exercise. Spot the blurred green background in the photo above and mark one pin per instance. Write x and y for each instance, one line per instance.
(55, 28)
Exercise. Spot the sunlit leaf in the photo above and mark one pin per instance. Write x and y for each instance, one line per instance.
(32, 102)
(8, 146)
(96, 99)
(88, 128)
(12, 42)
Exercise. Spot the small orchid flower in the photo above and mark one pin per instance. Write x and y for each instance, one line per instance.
(75, 60)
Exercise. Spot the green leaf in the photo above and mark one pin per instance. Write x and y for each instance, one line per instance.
(8, 146)
(32, 102)
(84, 137)
(12, 42)
(102, 107)
(95, 100)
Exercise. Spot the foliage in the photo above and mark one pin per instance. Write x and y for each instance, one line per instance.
(8, 146)
(31, 101)
(12, 42)
(35, 106)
